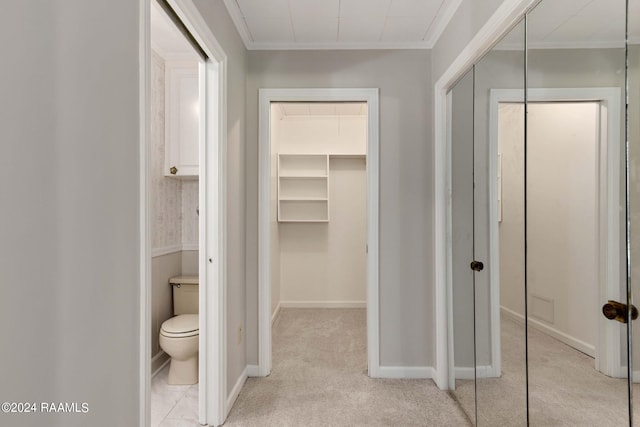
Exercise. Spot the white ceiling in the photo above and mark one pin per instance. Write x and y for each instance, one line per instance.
(323, 109)
(580, 23)
(576, 24)
(165, 37)
(340, 24)
(372, 24)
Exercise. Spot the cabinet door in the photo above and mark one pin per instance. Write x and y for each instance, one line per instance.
(181, 119)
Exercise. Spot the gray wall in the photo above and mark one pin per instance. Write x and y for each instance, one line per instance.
(69, 175)
(406, 183)
(190, 263)
(462, 220)
(225, 32)
(465, 23)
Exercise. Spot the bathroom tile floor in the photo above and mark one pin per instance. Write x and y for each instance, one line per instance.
(173, 405)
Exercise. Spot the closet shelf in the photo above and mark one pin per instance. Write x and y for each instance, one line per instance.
(303, 188)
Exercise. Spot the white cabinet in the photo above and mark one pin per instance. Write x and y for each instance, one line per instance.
(181, 119)
(303, 188)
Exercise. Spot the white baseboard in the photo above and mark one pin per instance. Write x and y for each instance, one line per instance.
(465, 373)
(235, 392)
(621, 372)
(323, 304)
(487, 371)
(253, 371)
(158, 356)
(275, 314)
(417, 372)
(579, 345)
(504, 311)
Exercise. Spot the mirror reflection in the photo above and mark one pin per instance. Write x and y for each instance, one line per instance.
(548, 175)
(499, 233)
(462, 377)
(575, 235)
(633, 121)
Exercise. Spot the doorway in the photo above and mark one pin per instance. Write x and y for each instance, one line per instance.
(599, 226)
(316, 210)
(206, 200)
(173, 194)
(563, 156)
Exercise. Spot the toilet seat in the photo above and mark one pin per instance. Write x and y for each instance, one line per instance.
(181, 326)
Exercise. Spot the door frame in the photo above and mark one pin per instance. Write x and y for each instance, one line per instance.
(608, 238)
(266, 97)
(213, 406)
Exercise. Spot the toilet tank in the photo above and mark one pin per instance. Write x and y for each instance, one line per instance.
(185, 294)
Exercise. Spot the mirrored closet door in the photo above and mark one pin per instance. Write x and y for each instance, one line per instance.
(545, 170)
(499, 143)
(462, 348)
(575, 198)
(632, 130)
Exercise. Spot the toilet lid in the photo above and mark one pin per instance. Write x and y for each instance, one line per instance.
(182, 324)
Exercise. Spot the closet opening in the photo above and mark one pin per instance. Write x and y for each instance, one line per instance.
(318, 304)
(318, 236)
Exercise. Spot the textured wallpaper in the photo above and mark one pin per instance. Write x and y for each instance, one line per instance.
(173, 202)
(189, 214)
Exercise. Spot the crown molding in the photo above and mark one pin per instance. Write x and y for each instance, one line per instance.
(432, 35)
(239, 22)
(339, 46)
(442, 19)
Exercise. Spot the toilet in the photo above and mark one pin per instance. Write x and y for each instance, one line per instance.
(179, 335)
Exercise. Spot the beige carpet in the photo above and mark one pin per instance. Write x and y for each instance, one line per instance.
(565, 389)
(319, 379)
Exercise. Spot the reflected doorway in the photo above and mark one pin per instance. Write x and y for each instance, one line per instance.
(572, 242)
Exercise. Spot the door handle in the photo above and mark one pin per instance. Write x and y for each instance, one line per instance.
(477, 265)
(614, 310)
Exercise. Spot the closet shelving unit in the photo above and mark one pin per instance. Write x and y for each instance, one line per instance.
(303, 188)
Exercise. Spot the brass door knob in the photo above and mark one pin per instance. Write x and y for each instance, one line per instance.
(173, 170)
(614, 310)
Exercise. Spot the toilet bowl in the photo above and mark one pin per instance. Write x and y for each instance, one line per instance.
(179, 335)
(179, 339)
